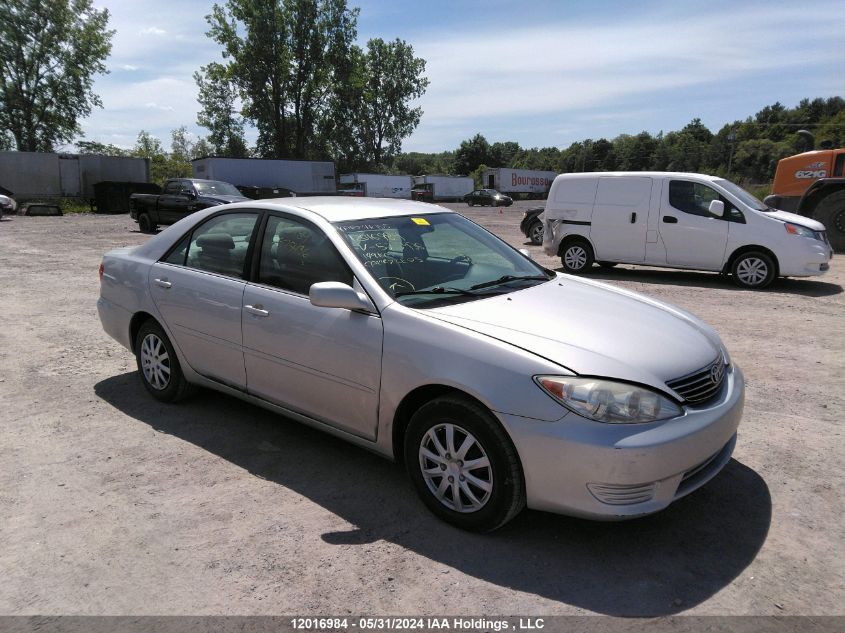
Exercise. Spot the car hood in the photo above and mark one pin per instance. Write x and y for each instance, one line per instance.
(593, 329)
(224, 199)
(794, 218)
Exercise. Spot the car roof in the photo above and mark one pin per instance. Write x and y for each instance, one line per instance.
(339, 208)
(642, 174)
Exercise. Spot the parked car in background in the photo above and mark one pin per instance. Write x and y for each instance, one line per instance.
(532, 225)
(679, 220)
(487, 197)
(7, 205)
(180, 197)
(405, 328)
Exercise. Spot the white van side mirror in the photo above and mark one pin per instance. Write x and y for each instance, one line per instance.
(717, 208)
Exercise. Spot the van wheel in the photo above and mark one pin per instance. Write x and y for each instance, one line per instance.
(577, 257)
(146, 224)
(463, 465)
(753, 270)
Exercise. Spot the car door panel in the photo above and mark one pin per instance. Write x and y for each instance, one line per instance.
(203, 312)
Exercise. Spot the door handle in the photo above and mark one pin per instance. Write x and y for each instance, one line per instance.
(163, 283)
(670, 219)
(257, 310)
(633, 217)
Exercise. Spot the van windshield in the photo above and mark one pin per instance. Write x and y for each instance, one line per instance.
(743, 196)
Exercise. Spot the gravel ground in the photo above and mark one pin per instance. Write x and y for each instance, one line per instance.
(115, 504)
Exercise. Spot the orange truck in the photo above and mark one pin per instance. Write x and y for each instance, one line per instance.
(812, 184)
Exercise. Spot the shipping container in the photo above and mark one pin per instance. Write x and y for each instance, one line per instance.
(304, 177)
(440, 187)
(376, 185)
(44, 175)
(531, 182)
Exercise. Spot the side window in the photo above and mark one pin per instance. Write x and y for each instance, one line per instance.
(221, 244)
(692, 197)
(171, 187)
(839, 165)
(186, 188)
(295, 255)
(177, 255)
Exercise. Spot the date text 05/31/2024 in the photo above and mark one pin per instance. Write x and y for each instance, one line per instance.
(416, 623)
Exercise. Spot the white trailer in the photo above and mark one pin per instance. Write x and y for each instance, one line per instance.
(532, 182)
(376, 185)
(441, 187)
(44, 175)
(305, 177)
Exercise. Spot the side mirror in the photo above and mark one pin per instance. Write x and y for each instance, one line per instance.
(525, 252)
(717, 208)
(333, 294)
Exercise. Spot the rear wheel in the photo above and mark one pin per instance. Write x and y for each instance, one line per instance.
(535, 233)
(577, 256)
(463, 465)
(753, 270)
(831, 212)
(146, 224)
(158, 365)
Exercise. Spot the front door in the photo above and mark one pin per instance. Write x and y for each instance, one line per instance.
(694, 238)
(321, 362)
(620, 218)
(198, 289)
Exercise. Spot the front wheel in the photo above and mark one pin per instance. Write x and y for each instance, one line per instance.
(158, 365)
(753, 270)
(535, 233)
(463, 465)
(577, 257)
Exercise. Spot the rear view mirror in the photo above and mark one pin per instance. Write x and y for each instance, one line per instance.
(333, 294)
(717, 208)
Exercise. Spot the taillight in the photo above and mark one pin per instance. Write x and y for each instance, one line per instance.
(102, 269)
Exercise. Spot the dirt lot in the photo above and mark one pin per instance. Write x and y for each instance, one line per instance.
(112, 503)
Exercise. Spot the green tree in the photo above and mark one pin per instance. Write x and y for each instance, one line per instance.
(282, 56)
(472, 153)
(49, 55)
(106, 149)
(218, 113)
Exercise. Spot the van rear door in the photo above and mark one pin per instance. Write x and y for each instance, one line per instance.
(620, 218)
(693, 237)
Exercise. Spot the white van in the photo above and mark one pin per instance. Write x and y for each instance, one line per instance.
(678, 220)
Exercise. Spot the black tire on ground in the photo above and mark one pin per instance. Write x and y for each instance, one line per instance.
(504, 500)
(607, 264)
(753, 270)
(146, 224)
(831, 212)
(576, 256)
(163, 377)
(535, 233)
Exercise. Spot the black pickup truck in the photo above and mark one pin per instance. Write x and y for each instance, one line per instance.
(181, 197)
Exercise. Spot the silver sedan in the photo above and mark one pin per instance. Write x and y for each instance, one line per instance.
(409, 330)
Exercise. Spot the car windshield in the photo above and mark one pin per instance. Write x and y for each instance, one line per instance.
(742, 195)
(216, 188)
(427, 260)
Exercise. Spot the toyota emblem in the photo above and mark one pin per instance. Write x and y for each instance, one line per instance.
(716, 372)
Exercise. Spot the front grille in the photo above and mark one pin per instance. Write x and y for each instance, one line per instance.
(700, 386)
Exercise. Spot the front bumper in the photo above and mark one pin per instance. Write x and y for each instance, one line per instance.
(810, 259)
(604, 471)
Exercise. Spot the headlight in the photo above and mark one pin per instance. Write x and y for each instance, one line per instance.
(607, 400)
(803, 231)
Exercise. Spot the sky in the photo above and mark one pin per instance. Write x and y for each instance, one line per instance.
(542, 73)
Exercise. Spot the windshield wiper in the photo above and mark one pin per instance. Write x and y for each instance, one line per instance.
(437, 290)
(506, 278)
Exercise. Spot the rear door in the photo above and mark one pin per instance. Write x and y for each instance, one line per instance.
(694, 238)
(322, 362)
(620, 218)
(169, 203)
(198, 289)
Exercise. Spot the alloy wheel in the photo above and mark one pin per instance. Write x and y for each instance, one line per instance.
(575, 257)
(155, 362)
(752, 271)
(456, 468)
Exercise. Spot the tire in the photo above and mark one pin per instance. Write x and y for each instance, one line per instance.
(831, 212)
(753, 270)
(146, 224)
(158, 364)
(479, 508)
(577, 257)
(607, 265)
(535, 233)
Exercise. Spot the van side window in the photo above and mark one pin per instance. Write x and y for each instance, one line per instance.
(693, 197)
